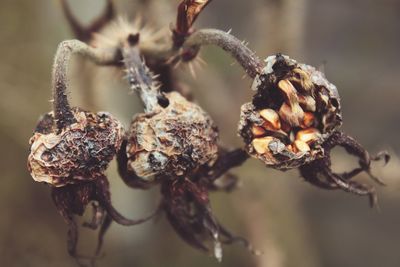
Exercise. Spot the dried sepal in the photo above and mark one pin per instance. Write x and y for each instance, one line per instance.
(188, 11)
(308, 107)
(171, 141)
(80, 152)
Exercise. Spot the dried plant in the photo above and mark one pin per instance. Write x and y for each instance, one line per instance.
(293, 121)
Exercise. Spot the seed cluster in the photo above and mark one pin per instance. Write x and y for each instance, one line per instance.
(80, 152)
(294, 110)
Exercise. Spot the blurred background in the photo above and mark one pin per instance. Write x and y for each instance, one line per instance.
(293, 223)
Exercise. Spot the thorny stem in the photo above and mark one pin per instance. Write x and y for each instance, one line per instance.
(247, 58)
(139, 76)
(62, 110)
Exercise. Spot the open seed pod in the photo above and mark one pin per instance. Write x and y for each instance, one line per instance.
(171, 141)
(295, 109)
(79, 152)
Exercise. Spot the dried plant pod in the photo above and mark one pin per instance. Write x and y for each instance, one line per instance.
(171, 141)
(305, 102)
(79, 152)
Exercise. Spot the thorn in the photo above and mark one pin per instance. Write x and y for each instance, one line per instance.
(201, 60)
(192, 71)
(229, 31)
(177, 64)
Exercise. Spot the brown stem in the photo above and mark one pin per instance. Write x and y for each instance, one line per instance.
(62, 110)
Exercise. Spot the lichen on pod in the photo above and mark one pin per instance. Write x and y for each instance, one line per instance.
(295, 109)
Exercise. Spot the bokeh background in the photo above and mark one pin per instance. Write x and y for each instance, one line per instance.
(293, 223)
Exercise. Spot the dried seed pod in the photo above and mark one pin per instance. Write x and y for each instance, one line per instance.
(171, 141)
(79, 152)
(305, 102)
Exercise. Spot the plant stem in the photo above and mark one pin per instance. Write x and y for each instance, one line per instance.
(247, 58)
(139, 76)
(62, 110)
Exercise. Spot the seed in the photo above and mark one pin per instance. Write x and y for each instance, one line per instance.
(292, 116)
(300, 146)
(308, 120)
(307, 103)
(261, 144)
(257, 131)
(271, 118)
(289, 92)
(309, 135)
(303, 79)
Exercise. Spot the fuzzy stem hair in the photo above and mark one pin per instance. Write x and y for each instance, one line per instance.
(238, 50)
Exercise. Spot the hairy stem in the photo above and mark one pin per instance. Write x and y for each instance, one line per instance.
(62, 110)
(247, 58)
(139, 76)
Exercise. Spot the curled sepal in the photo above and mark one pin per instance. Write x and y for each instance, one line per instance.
(188, 11)
(320, 174)
(188, 210)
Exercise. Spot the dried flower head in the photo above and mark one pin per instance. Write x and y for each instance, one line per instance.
(79, 152)
(171, 141)
(295, 109)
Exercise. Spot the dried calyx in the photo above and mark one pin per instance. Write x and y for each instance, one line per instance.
(293, 111)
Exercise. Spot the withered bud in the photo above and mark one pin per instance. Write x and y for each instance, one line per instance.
(308, 109)
(171, 141)
(79, 152)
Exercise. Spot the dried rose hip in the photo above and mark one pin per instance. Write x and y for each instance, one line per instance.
(70, 151)
(293, 112)
(171, 141)
(293, 122)
(80, 152)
